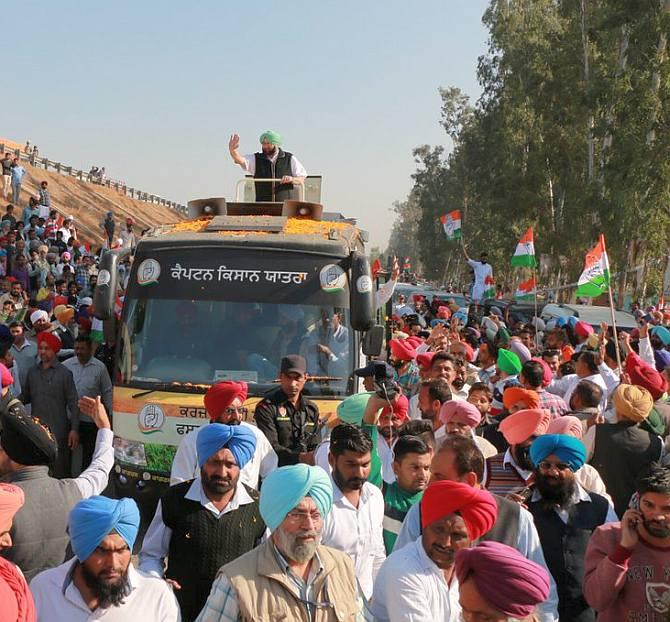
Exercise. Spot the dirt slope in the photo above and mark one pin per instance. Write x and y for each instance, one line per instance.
(88, 203)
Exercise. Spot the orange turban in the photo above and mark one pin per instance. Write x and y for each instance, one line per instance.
(476, 506)
(512, 395)
(221, 395)
(523, 424)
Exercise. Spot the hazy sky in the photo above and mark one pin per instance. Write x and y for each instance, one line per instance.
(152, 90)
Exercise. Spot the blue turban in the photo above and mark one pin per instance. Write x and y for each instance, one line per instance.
(568, 448)
(284, 488)
(662, 333)
(270, 136)
(93, 519)
(239, 439)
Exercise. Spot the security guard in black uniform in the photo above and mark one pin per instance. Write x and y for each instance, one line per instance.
(290, 421)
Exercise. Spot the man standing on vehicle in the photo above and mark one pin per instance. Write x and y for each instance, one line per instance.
(270, 163)
(483, 274)
(290, 421)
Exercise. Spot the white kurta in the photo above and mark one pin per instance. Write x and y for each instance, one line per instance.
(185, 463)
(58, 600)
(481, 270)
(411, 588)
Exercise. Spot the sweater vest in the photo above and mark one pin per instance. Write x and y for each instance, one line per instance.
(266, 169)
(39, 530)
(564, 548)
(502, 479)
(621, 451)
(266, 594)
(201, 543)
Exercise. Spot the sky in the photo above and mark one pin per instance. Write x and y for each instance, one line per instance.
(152, 90)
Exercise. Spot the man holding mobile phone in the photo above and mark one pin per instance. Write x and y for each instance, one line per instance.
(627, 565)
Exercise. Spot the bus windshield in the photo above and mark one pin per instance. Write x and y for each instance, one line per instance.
(203, 341)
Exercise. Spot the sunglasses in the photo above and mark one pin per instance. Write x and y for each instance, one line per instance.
(547, 466)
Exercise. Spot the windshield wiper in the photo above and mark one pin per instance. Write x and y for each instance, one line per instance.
(182, 387)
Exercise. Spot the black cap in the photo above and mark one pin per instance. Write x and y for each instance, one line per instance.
(293, 364)
(378, 369)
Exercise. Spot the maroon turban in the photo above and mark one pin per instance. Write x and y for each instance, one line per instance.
(646, 376)
(221, 395)
(475, 505)
(505, 579)
(51, 340)
(402, 350)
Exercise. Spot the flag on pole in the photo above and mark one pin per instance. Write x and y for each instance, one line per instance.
(376, 267)
(596, 275)
(526, 290)
(407, 264)
(490, 285)
(451, 223)
(524, 255)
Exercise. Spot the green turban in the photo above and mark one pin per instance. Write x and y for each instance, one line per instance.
(351, 409)
(508, 362)
(271, 137)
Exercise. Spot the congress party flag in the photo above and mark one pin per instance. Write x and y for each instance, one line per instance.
(526, 290)
(524, 255)
(490, 285)
(596, 275)
(452, 224)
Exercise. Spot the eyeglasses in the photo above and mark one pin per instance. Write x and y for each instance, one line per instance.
(231, 411)
(299, 516)
(547, 466)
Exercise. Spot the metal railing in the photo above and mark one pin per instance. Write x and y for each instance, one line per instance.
(245, 184)
(70, 171)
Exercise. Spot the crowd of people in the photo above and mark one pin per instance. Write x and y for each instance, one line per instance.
(488, 471)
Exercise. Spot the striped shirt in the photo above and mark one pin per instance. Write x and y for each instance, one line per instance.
(504, 476)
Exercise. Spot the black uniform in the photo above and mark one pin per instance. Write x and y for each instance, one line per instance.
(290, 430)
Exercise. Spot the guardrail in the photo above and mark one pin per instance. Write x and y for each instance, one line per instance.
(70, 171)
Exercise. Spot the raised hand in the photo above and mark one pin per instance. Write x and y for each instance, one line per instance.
(234, 142)
(95, 410)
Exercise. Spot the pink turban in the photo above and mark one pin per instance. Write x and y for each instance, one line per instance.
(402, 350)
(460, 412)
(523, 424)
(547, 374)
(505, 579)
(567, 424)
(11, 500)
(475, 505)
(5, 376)
(221, 395)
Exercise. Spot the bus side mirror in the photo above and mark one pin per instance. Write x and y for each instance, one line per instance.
(361, 293)
(373, 341)
(104, 296)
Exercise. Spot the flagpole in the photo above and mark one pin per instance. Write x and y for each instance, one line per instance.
(537, 332)
(609, 292)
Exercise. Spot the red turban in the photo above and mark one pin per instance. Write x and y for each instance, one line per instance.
(547, 374)
(424, 360)
(567, 424)
(221, 395)
(5, 376)
(512, 395)
(476, 506)
(460, 412)
(443, 313)
(52, 341)
(415, 342)
(504, 578)
(402, 350)
(400, 408)
(523, 424)
(645, 376)
(582, 329)
(60, 300)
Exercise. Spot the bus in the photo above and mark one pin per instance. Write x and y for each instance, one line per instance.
(224, 296)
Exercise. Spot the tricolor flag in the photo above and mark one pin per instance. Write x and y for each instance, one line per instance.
(490, 290)
(407, 264)
(376, 267)
(452, 224)
(526, 290)
(596, 275)
(524, 255)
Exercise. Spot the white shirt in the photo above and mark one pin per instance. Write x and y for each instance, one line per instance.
(57, 599)
(94, 479)
(185, 464)
(297, 169)
(386, 455)
(156, 544)
(413, 411)
(481, 270)
(411, 588)
(527, 543)
(357, 532)
(566, 386)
